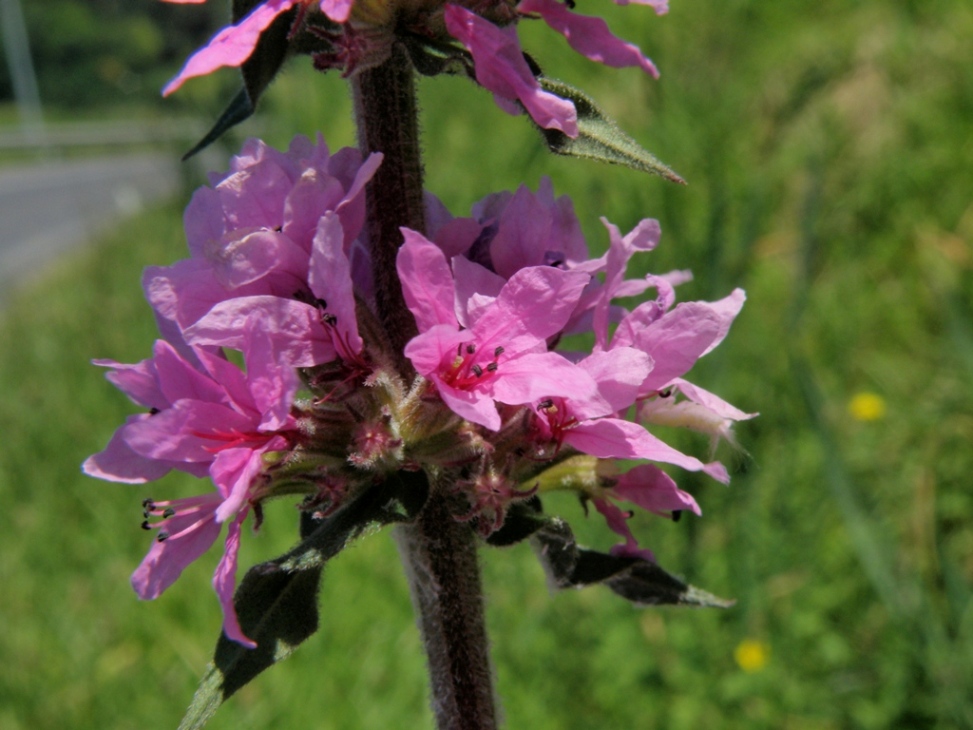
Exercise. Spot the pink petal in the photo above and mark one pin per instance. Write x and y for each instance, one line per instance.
(179, 379)
(712, 402)
(474, 405)
(337, 10)
(428, 349)
(661, 7)
(588, 35)
(618, 373)
(298, 337)
(118, 463)
(232, 45)
(617, 521)
(192, 536)
(501, 68)
(427, 282)
(652, 489)
(532, 377)
(224, 583)
(330, 279)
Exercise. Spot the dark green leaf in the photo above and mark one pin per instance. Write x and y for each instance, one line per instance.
(276, 602)
(599, 138)
(258, 71)
(522, 520)
(640, 581)
(431, 57)
(239, 110)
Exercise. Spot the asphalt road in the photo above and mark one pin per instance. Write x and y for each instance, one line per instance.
(49, 208)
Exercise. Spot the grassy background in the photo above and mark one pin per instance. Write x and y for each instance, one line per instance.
(828, 148)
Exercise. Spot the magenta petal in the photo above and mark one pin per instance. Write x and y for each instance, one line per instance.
(661, 7)
(473, 405)
(139, 382)
(533, 305)
(588, 35)
(617, 521)
(191, 536)
(618, 373)
(119, 463)
(224, 583)
(476, 288)
(330, 280)
(299, 339)
(232, 45)
(652, 489)
(613, 438)
(428, 349)
(535, 376)
(711, 402)
(337, 10)
(501, 68)
(179, 379)
(427, 282)
(271, 387)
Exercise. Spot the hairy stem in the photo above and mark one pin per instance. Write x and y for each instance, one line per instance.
(387, 114)
(441, 562)
(438, 552)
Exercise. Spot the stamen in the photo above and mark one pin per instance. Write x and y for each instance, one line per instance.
(492, 367)
(477, 370)
(162, 536)
(498, 351)
(470, 348)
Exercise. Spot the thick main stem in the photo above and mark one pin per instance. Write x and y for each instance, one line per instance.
(441, 562)
(438, 552)
(388, 122)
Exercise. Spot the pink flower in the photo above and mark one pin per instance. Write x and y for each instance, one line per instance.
(365, 33)
(299, 333)
(588, 36)
(651, 489)
(253, 232)
(480, 349)
(501, 68)
(209, 418)
(234, 44)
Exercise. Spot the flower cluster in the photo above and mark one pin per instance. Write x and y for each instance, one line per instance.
(352, 36)
(495, 406)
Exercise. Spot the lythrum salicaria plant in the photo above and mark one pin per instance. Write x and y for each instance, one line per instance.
(402, 366)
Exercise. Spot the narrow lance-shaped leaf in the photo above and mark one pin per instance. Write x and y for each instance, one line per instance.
(258, 71)
(599, 137)
(640, 581)
(276, 602)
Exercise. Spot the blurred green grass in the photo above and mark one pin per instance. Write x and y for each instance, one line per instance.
(828, 148)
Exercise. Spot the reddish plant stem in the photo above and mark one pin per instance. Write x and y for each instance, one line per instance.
(439, 553)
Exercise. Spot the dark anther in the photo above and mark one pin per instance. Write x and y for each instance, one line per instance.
(470, 349)
(329, 319)
(665, 393)
(545, 404)
(477, 370)
(162, 536)
(492, 367)
(147, 503)
(153, 411)
(145, 525)
(498, 352)
(629, 514)
(169, 512)
(676, 515)
(321, 303)
(570, 3)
